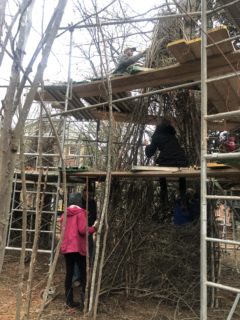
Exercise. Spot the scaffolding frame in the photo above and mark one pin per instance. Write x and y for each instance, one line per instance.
(204, 178)
(16, 205)
(204, 156)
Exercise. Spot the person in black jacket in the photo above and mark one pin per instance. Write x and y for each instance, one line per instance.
(171, 155)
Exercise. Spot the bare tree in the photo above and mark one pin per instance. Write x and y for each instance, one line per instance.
(9, 138)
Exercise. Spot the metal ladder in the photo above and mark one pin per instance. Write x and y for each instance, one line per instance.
(204, 178)
(49, 216)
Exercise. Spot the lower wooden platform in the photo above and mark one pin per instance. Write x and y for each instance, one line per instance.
(172, 173)
(231, 174)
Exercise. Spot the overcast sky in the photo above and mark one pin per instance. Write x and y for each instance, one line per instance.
(58, 61)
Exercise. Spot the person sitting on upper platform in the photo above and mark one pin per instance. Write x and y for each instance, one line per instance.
(127, 59)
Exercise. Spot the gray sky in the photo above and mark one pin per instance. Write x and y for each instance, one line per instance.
(78, 64)
(58, 61)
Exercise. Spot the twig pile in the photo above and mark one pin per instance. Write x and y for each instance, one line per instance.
(145, 258)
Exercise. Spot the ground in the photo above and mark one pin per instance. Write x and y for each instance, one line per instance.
(116, 307)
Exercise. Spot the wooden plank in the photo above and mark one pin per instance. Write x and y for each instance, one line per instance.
(214, 165)
(185, 51)
(168, 76)
(229, 173)
(155, 168)
(221, 34)
(181, 51)
(214, 35)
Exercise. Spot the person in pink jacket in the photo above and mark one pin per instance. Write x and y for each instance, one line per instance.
(73, 248)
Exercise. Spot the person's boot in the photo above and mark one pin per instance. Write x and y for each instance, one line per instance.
(69, 299)
(73, 304)
(183, 192)
(163, 194)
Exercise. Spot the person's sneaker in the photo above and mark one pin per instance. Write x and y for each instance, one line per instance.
(73, 304)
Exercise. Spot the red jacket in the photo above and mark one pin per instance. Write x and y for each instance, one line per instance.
(75, 231)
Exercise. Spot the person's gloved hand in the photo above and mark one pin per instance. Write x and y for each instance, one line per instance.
(96, 225)
(145, 51)
(146, 142)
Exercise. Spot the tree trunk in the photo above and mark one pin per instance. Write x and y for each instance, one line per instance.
(9, 139)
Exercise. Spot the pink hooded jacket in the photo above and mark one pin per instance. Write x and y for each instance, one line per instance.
(75, 231)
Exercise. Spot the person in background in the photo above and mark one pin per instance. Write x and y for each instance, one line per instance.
(171, 155)
(127, 59)
(86, 201)
(73, 247)
(230, 145)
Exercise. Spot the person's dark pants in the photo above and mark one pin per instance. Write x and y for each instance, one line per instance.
(182, 190)
(91, 252)
(164, 190)
(70, 260)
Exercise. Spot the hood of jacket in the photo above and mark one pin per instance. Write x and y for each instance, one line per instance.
(165, 128)
(73, 210)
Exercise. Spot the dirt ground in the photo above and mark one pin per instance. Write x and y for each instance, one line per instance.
(114, 308)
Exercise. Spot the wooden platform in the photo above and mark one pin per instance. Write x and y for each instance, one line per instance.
(185, 51)
(189, 173)
(223, 95)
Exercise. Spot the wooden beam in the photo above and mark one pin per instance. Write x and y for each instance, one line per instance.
(126, 117)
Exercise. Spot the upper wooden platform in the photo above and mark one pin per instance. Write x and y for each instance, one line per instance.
(224, 95)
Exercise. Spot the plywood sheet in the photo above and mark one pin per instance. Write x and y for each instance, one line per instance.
(190, 50)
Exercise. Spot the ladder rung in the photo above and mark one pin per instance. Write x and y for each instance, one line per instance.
(40, 154)
(223, 241)
(231, 155)
(42, 137)
(221, 286)
(223, 197)
(28, 249)
(223, 77)
(31, 230)
(223, 115)
(30, 210)
(42, 183)
(41, 192)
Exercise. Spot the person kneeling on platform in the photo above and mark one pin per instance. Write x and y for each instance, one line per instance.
(171, 155)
